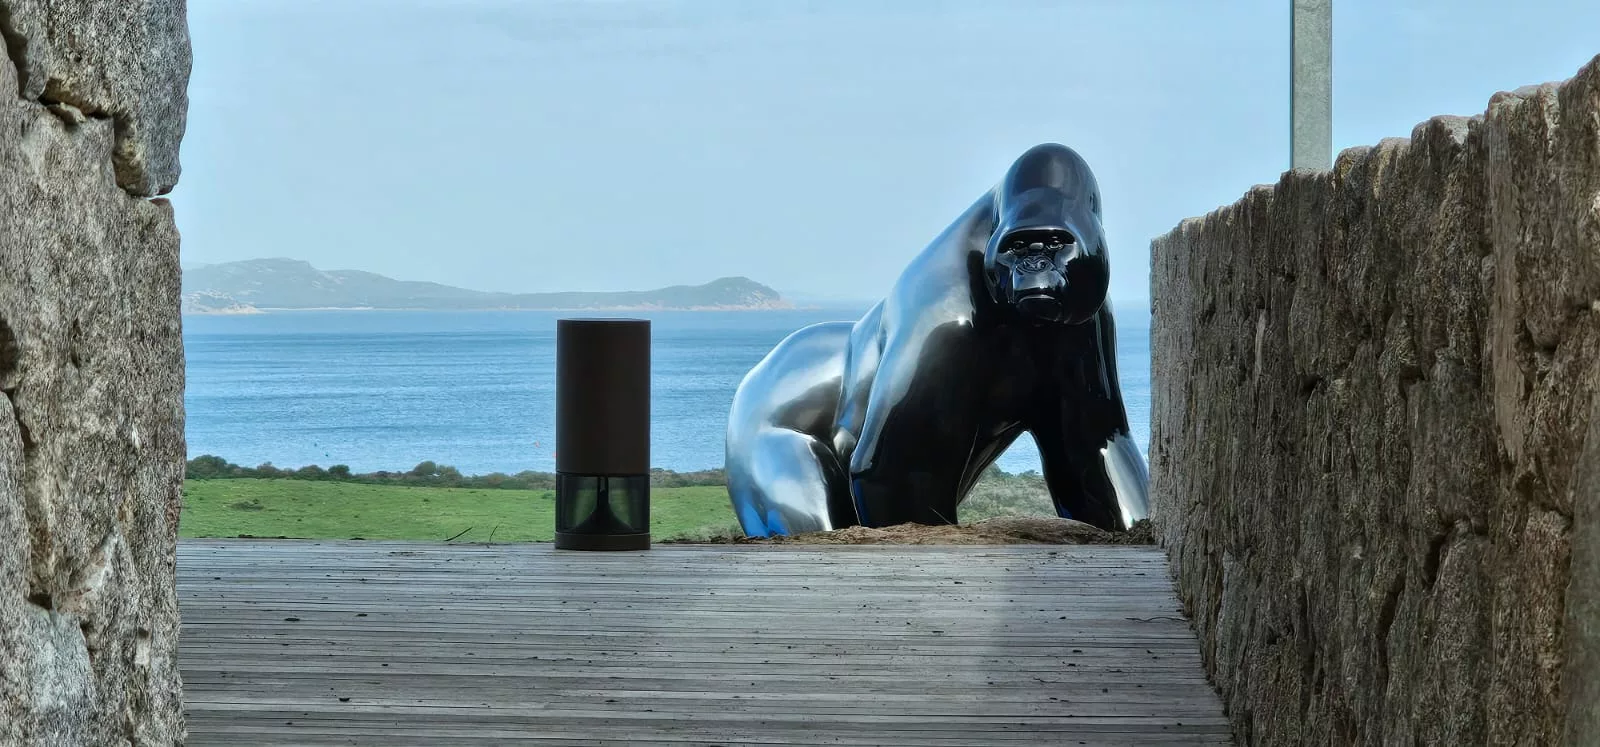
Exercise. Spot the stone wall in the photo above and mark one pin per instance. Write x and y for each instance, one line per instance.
(92, 103)
(1376, 438)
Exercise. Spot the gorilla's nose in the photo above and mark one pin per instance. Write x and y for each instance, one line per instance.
(1039, 306)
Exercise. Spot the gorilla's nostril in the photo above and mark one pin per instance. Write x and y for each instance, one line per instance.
(1035, 263)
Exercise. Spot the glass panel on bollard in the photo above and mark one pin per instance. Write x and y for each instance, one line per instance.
(596, 512)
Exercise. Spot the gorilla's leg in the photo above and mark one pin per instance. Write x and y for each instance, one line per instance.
(918, 433)
(780, 476)
(1075, 474)
(791, 483)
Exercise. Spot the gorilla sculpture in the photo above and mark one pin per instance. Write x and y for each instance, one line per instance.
(999, 326)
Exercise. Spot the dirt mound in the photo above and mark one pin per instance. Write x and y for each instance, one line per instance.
(1006, 530)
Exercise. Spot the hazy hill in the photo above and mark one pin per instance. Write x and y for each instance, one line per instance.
(263, 284)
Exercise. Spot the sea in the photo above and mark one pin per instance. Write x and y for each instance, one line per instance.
(385, 390)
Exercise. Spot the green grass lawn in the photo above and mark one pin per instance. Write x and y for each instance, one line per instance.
(345, 510)
(310, 509)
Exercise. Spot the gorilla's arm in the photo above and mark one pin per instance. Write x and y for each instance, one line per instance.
(1093, 469)
(918, 429)
(908, 414)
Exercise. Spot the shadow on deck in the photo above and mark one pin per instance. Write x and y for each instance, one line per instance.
(391, 643)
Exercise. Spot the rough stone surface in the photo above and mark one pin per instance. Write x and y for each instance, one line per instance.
(123, 60)
(1583, 596)
(1374, 447)
(91, 369)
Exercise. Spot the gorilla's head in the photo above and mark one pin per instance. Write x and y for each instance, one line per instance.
(1047, 255)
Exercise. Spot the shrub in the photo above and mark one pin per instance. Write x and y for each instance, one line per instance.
(206, 467)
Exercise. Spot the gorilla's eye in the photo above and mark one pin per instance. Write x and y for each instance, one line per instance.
(1049, 243)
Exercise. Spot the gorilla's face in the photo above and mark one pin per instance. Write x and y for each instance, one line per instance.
(1047, 275)
(1046, 257)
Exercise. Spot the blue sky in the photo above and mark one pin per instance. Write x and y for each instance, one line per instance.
(533, 145)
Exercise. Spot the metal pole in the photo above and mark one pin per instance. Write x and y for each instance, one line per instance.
(1311, 82)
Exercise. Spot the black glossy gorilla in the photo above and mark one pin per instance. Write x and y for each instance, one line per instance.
(999, 326)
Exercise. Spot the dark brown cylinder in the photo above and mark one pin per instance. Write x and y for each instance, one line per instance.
(603, 396)
(603, 434)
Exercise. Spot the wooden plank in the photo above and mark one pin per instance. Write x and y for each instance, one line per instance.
(317, 733)
(289, 642)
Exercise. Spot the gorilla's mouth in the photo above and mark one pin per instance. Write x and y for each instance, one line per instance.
(1038, 306)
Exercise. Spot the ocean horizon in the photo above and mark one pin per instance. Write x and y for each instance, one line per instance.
(476, 389)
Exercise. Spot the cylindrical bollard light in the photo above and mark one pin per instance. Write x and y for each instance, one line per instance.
(603, 434)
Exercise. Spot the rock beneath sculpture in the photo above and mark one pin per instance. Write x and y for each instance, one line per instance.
(123, 60)
(1373, 390)
(1001, 530)
(91, 417)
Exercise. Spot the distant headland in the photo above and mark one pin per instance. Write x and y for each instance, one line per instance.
(256, 286)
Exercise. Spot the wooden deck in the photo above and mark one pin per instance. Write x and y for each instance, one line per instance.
(385, 643)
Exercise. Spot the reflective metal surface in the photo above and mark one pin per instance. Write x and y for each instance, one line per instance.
(997, 327)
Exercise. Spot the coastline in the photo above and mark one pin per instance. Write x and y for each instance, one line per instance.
(254, 310)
